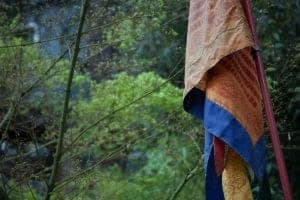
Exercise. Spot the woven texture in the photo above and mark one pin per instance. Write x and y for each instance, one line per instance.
(222, 89)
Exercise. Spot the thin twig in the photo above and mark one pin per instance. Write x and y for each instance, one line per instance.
(31, 192)
(63, 125)
(187, 177)
(13, 106)
(43, 75)
(6, 117)
(94, 28)
(190, 174)
(28, 153)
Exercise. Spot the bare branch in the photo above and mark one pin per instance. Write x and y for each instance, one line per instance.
(63, 125)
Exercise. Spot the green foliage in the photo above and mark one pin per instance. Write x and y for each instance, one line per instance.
(158, 179)
(17, 65)
(154, 123)
(145, 36)
(151, 115)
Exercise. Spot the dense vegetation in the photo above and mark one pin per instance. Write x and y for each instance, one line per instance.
(128, 136)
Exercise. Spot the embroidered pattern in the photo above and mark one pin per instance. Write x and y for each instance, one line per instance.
(216, 28)
(232, 84)
(235, 181)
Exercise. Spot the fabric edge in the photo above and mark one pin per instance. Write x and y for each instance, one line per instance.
(198, 105)
(189, 87)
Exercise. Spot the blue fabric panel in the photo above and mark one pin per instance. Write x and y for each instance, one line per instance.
(222, 124)
(213, 183)
(194, 103)
(208, 144)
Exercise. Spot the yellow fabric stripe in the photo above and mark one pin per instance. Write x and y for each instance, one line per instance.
(235, 180)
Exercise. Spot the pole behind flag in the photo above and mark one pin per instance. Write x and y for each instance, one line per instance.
(268, 107)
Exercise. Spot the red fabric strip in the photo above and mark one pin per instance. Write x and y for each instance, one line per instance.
(219, 155)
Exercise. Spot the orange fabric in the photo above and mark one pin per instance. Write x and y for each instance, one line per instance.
(233, 84)
(235, 180)
(216, 29)
(219, 61)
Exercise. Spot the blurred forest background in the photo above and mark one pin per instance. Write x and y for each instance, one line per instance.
(128, 136)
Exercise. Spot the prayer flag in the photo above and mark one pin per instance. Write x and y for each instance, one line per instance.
(222, 89)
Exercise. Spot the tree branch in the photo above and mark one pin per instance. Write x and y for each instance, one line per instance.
(190, 174)
(187, 177)
(63, 125)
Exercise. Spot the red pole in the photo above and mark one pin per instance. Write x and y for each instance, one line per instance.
(287, 191)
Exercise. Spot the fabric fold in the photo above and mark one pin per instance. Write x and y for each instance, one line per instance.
(221, 87)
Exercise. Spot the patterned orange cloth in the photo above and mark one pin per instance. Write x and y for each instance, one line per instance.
(216, 29)
(235, 182)
(233, 85)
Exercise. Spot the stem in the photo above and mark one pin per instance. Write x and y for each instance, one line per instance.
(31, 87)
(63, 125)
(187, 177)
(6, 117)
(3, 194)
